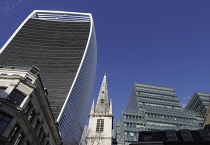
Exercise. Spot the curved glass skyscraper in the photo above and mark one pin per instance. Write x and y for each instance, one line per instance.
(63, 46)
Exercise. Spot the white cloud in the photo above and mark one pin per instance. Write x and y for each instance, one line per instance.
(183, 105)
(8, 5)
(187, 98)
(184, 101)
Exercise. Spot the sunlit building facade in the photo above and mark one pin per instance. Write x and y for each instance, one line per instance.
(199, 103)
(63, 46)
(99, 130)
(152, 108)
(25, 114)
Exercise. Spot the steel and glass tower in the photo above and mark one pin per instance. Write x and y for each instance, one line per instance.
(199, 104)
(63, 46)
(152, 107)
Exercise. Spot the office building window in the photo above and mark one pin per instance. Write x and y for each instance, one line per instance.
(28, 107)
(186, 136)
(4, 121)
(13, 132)
(171, 135)
(19, 139)
(100, 125)
(2, 90)
(205, 135)
(16, 98)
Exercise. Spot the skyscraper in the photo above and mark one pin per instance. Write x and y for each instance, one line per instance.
(152, 108)
(63, 46)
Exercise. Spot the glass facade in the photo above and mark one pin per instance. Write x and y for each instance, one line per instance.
(63, 46)
(199, 104)
(2, 91)
(4, 121)
(152, 108)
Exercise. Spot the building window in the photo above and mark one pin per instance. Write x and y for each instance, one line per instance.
(4, 121)
(28, 79)
(16, 98)
(28, 107)
(147, 136)
(171, 135)
(186, 136)
(31, 115)
(2, 91)
(100, 125)
(19, 139)
(36, 123)
(12, 134)
(205, 135)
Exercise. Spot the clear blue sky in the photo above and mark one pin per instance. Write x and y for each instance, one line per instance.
(158, 42)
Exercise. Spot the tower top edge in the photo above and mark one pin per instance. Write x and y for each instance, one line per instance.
(61, 12)
(137, 84)
(64, 16)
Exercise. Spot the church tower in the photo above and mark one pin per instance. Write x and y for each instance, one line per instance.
(100, 119)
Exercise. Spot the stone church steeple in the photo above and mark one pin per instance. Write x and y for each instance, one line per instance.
(103, 105)
(100, 119)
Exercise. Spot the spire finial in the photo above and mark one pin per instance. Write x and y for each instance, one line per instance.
(92, 108)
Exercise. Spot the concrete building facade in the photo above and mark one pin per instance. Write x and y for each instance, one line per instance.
(25, 114)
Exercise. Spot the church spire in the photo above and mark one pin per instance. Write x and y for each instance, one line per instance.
(92, 108)
(102, 105)
(100, 119)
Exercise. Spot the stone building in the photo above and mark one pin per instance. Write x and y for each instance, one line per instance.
(25, 114)
(100, 119)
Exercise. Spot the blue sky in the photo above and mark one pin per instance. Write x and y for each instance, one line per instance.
(158, 42)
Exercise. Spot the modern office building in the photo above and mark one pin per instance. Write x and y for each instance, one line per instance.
(63, 46)
(174, 137)
(199, 104)
(152, 108)
(100, 119)
(25, 114)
